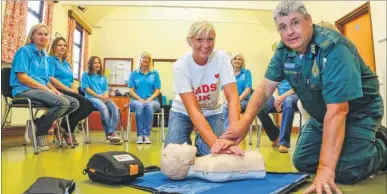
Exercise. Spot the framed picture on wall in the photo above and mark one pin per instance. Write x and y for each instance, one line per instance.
(117, 70)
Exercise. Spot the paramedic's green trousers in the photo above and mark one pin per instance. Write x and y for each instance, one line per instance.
(361, 156)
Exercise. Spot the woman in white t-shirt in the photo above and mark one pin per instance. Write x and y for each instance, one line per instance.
(199, 76)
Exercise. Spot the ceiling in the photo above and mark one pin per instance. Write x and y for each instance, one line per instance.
(97, 10)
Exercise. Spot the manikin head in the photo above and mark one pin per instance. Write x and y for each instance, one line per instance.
(176, 159)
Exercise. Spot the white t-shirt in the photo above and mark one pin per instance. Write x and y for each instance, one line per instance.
(204, 80)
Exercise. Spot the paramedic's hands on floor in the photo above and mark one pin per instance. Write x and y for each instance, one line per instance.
(324, 182)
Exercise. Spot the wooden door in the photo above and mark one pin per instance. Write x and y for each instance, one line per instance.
(357, 27)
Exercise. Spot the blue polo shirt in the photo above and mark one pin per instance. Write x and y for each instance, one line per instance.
(283, 87)
(60, 70)
(95, 82)
(27, 60)
(144, 85)
(243, 80)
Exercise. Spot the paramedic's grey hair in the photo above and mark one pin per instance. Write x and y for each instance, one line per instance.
(284, 8)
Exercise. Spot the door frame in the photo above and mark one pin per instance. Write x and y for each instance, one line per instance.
(363, 9)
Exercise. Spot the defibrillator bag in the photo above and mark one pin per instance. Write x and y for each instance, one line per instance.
(114, 168)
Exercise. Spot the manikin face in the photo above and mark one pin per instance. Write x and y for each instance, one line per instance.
(176, 159)
(295, 30)
(202, 46)
(40, 37)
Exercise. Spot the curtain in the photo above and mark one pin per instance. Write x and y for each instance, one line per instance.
(48, 17)
(70, 39)
(14, 29)
(85, 49)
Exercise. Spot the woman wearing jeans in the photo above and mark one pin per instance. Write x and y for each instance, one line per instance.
(97, 91)
(62, 79)
(30, 79)
(144, 86)
(199, 77)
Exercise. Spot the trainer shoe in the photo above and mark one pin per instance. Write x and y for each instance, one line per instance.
(42, 144)
(381, 133)
(140, 140)
(147, 140)
(283, 149)
(114, 138)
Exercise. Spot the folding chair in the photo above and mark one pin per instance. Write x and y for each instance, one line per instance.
(6, 91)
(159, 112)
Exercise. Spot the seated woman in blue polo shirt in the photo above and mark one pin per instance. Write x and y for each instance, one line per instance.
(30, 79)
(97, 91)
(144, 86)
(243, 80)
(62, 79)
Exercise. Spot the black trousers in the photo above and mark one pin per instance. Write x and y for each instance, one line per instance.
(85, 108)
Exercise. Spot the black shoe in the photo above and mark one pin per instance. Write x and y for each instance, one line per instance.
(381, 134)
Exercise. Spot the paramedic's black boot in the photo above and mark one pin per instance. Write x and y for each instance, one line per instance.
(381, 134)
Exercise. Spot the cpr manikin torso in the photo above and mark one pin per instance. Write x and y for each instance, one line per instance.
(179, 162)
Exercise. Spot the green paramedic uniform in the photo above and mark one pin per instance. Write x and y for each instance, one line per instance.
(332, 71)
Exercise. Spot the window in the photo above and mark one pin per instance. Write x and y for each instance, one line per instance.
(77, 52)
(35, 14)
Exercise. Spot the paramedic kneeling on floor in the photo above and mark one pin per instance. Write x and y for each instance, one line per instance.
(342, 141)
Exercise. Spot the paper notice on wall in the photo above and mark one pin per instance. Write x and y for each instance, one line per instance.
(119, 70)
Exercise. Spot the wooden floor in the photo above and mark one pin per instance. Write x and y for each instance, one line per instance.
(21, 167)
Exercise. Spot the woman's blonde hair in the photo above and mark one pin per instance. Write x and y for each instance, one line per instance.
(328, 25)
(243, 59)
(138, 64)
(200, 28)
(32, 31)
(55, 43)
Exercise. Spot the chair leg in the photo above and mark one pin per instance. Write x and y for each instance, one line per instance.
(299, 130)
(7, 109)
(69, 131)
(59, 122)
(158, 120)
(128, 125)
(36, 113)
(87, 134)
(35, 143)
(162, 125)
(83, 129)
(122, 127)
(251, 135)
(259, 132)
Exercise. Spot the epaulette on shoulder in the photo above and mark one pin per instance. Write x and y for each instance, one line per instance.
(325, 37)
